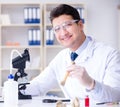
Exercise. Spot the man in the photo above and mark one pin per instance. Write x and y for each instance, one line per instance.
(96, 70)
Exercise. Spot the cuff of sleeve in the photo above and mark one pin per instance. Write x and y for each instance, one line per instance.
(96, 89)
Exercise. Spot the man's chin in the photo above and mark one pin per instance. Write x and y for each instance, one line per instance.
(65, 45)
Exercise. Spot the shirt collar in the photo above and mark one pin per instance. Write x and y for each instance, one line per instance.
(83, 46)
(89, 44)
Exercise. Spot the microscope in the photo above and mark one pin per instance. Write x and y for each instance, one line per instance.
(20, 76)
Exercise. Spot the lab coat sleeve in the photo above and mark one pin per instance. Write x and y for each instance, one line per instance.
(41, 84)
(109, 89)
(47, 80)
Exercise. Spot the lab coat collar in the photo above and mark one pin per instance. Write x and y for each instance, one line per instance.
(85, 54)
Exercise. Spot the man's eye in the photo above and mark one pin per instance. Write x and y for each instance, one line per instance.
(57, 28)
(68, 24)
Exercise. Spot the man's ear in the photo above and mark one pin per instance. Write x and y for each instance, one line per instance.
(80, 23)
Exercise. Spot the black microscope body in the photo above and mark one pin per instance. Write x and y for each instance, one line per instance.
(20, 76)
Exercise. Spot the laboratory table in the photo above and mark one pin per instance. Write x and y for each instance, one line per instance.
(37, 102)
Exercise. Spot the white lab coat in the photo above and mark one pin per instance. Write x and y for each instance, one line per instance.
(100, 61)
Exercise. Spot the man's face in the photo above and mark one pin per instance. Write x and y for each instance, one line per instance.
(68, 31)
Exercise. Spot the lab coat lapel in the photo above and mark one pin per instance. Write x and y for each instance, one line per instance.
(87, 53)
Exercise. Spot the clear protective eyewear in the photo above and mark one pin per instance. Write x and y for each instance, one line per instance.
(64, 26)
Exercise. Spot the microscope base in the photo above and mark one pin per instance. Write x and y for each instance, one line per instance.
(23, 97)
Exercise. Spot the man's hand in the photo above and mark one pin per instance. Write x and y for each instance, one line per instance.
(81, 74)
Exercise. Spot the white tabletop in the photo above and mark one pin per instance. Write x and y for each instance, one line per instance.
(37, 102)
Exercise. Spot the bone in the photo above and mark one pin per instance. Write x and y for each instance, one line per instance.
(60, 104)
(66, 75)
(76, 102)
(65, 78)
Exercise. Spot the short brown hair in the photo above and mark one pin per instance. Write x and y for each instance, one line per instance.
(64, 9)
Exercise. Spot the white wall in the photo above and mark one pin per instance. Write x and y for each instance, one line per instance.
(102, 17)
